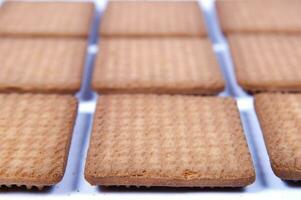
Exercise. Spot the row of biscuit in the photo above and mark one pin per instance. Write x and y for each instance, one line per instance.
(154, 124)
(42, 53)
(142, 139)
(265, 41)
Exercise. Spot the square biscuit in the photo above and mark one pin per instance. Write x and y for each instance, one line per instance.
(267, 62)
(35, 135)
(259, 16)
(42, 65)
(46, 18)
(157, 65)
(163, 140)
(280, 118)
(153, 18)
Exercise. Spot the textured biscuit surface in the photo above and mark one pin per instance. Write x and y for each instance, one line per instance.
(259, 16)
(267, 62)
(162, 140)
(156, 65)
(35, 134)
(156, 18)
(280, 119)
(41, 65)
(46, 18)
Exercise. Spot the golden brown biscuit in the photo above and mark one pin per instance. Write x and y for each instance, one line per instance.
(259, 16)
(46, 18)
(41, 64)
(157, 65)
(162, 140)
(157, 18)
(280, 118)
(35, 135)
(267, 62)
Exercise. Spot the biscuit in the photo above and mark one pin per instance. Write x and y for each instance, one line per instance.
(280, 118)
(156, 18)
(41, 64)
(35, 135)
(259, 16)
(267, 62)
(46, 18)
(162, 140)
(157, 65)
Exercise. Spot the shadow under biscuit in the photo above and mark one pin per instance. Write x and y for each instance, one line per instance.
(156, 189)
(24, 189)
(294, 184)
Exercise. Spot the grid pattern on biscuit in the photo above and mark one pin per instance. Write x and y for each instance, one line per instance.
(153, 19)
(181, 65)
(46, 18)
(35, 133)
(168, 138)
(280, 119)
(259, 16)
(40, 64)
(267, 62)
